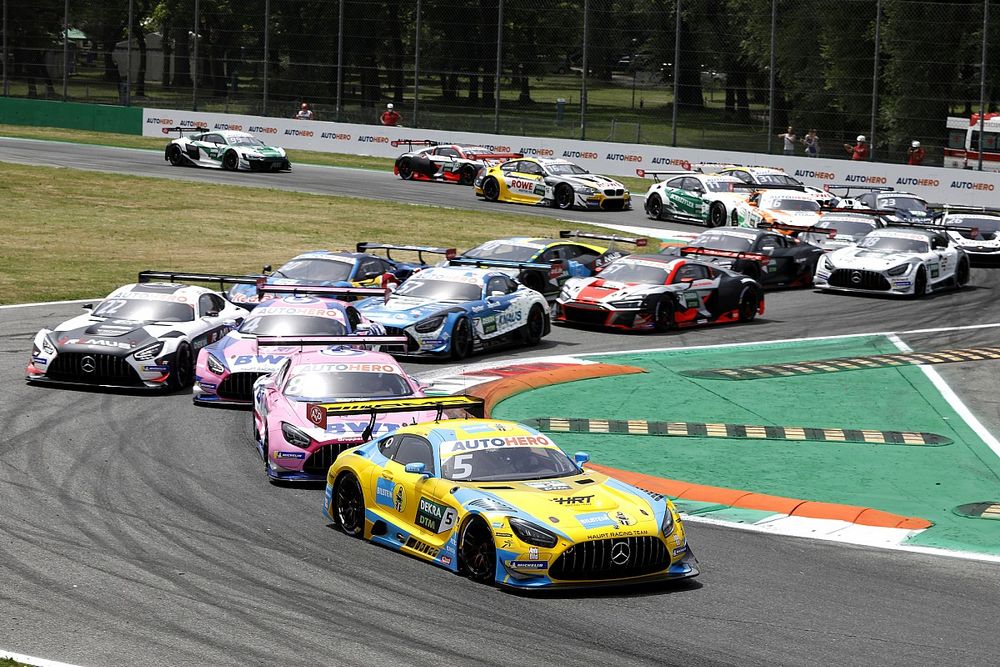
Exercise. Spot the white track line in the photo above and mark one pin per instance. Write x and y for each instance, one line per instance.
(32, 660)
(48, 303)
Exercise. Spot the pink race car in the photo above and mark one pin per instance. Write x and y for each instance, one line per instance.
(299, 425)
(227, 369)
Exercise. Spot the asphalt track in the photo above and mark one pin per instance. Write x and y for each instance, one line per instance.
(139, 529)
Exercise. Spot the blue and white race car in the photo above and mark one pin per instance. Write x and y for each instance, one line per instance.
(454, 311)
(327, 268)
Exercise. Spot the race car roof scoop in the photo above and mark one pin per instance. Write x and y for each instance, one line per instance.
(394, 342)
(318, 413)
(448, 253)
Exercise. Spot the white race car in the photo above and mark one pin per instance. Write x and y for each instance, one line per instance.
(144, 335)
(906, 261)
(689, 196)
(224, 149)
(974, 230)
(849, 225)
(787, 206)
(767, 177)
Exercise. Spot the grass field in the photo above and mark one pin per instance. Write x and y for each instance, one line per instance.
(75, 234)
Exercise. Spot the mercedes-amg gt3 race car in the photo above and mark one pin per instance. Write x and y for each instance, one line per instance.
(842, 227)
(226, 370)
(326, 268)
(501, 503)
(297, 429)
(224, 149)
(551, 182)
(689, 196)
(544, 264)
(765, 177)
(899, 206)
(451, 163)
(902, 261)
(659, 293)
(975, 230)
(143, 335)
(455, 311)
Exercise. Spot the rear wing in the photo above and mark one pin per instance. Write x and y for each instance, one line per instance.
(222, 279)
(186, 129)
(643, 173)
(410, 143)
(718, 252)
(395, 342)
(847, 187)
(760, 186)
(874, 212)
(639, 242)
(700, 166)
(944, 209)
(318, 290)
(449, 253)
(494, 157)
(973, 231)
(318, 413)
(553, 269)
(796, 229)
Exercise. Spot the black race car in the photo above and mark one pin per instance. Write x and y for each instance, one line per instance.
(765, 254)
(451, 163)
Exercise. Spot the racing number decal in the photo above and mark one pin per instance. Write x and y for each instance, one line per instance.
(691, 299)
(434, 517)
(935, 269)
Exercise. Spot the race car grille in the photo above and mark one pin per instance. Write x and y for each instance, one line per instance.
(319, 462)
(93, 368)
(858, 279)
(585, 315)
(238, 386)
(613, 204)
(268, 164)
(611, 192)
(411, 343)
(614, 558)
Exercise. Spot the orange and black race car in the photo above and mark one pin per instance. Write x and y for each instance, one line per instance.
(659, 293)
(453, 163)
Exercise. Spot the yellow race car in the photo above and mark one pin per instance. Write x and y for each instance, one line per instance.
(499, 502)
(551, 182)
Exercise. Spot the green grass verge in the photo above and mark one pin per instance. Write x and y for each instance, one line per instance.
(76, 234)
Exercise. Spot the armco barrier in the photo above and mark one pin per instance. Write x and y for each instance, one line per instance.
(936, 184)
(71, 115)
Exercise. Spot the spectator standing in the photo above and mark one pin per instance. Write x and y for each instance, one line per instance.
(858, 151)
(789, 139)
(915, 155)
(390, 116)
(305, 113)
(811, 141)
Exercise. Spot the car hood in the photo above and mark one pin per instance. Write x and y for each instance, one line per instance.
(861, 258)
(400, 310)
(350, 429)
(800, 218)
(262, 151)
(598, 290)
(591, 181)
(109, 336)
(240, 353)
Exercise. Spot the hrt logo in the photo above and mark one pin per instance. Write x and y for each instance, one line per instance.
(574, 500)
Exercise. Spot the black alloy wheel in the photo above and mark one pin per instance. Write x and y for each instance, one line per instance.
(182, 370)
(920, 283)
(962, 273)
(467, 175)
(564, 197)
(491, 189)
(174, 155)
(461, 339)
(716, 215)
(349, 505)
(663, 316)
(749, 303)
(405, 169)
(654, 207)
(534, 329)
(478, 552)
(231, 161)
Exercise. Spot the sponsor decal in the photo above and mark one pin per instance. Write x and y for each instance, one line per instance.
(528, 564)
(859, 178)
(678, 551)
(620, 157)
(358, 428)
(434, 516)
(446, 560)
(361, 368)
(88, 364)
(581, 155)
(593, 520)
(926, 182)
(497, 149)
(573, 500)
(969, 185)
(532, 553)
(399, 498)
(290, 455)
(368, 139)
(342, 352)
(159, 121)
(338, 136)
(549, 485)
(488, 443)
(809, 173)
(299, 133)
(193, 124)
(903, 283)
(385, 492)
(500, 525)
(620, 553)
(43, 360)
(97, 342)
(157, 368)
(519, 184)
(228, 126)
(541, 152)
(267, 359)
(260, 129)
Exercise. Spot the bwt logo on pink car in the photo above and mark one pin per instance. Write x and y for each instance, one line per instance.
(619, 157)
(582, 155)
(858, 178)
(969, 185)
(823, 175)
(337, 136)
(373, 140)
(540, 152)
(299, 133)
(683, 164)
(262, 130)
(926, 182)
(227, 126)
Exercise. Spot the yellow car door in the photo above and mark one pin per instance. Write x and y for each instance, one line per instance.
(524, 182)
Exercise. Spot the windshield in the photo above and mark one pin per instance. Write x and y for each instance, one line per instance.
(894, 244)
(565, 168)
(735, 242)
(292, 325)
(316, 269)
(338, 385)
(441, 290)
(245, 141)
(903, 204)
(635, 272)
(853, 227)
(507, 464)
(505, 250)
(145, 310)
(792, 205)
(986, 225)
(776, 179)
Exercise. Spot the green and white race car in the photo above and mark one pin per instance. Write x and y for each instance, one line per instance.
(224, 149)
(688, 196)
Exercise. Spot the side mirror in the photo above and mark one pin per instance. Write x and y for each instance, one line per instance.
(212, 313)
(496, 293)
(87, 306)
(416, 469)
(267, 268)
(580, 458)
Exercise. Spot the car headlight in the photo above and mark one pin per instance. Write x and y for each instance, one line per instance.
(898, 270)
(668, 523)
(532, 534)
(149, 352)
(825, 263)
(295, 436)
(585, 190)
(627, 303)
(430, 324)
(47, 345)
(564, 294)
(215, 365)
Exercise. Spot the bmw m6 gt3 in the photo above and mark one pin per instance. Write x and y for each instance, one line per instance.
(551, 182)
